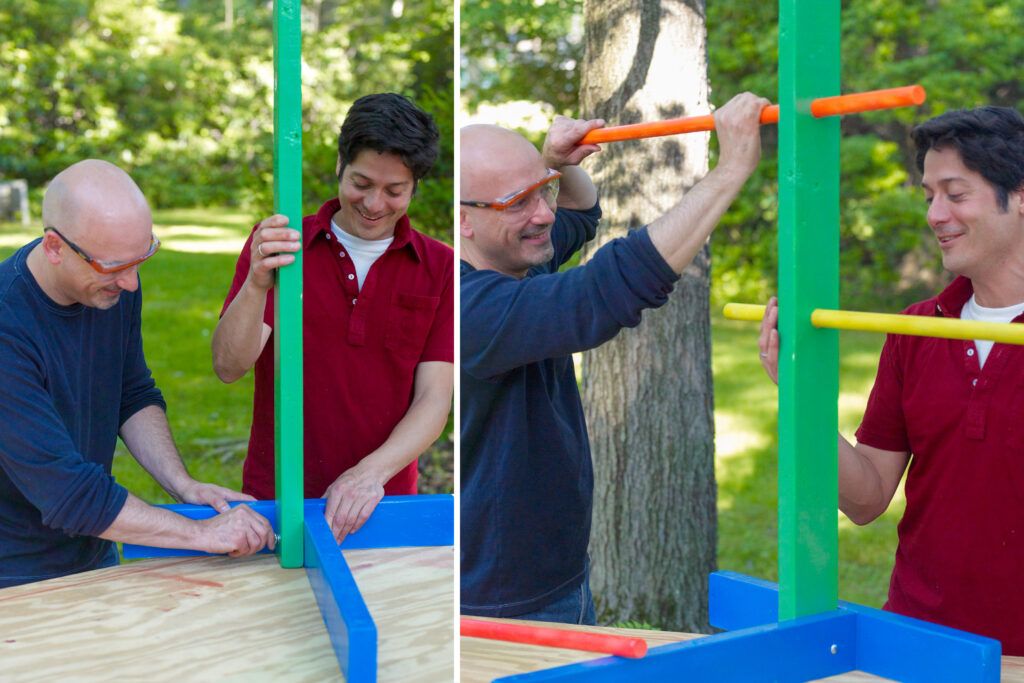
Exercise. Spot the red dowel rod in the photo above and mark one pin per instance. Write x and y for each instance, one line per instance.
(622, 646)
(852, 103)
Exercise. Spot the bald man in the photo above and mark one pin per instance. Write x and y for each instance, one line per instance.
(526, 477)
(73, 378)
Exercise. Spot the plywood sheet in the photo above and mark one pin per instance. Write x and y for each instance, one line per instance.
(218, 619)
(181, 619)
(411, 596)
(481, 661)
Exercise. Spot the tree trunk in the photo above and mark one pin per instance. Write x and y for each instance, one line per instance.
(648, 393)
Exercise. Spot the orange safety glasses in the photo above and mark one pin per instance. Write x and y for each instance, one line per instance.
(107, 267)
(519, 200)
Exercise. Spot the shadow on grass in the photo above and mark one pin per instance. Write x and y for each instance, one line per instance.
(746, 444)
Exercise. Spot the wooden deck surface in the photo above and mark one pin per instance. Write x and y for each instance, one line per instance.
(484, 660)
(218, 619)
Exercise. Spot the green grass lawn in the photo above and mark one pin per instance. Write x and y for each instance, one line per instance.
(746, 446)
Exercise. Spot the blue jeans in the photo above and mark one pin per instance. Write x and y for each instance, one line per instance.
(575, 607)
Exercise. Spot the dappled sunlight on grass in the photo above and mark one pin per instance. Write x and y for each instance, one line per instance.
(15, 235)
(203, 231)
(200, 243)
(734, 436)
(235, 219)
(746, 463)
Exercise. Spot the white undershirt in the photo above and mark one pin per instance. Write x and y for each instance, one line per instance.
(972, 311)
(363, 252)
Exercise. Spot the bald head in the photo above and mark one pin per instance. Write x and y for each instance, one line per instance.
(97, 202)
(491, 158)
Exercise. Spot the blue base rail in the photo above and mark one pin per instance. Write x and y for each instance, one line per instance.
(398, 521)
(349, 624)
(757, 647)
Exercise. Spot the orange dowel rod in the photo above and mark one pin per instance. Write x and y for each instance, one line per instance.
(826, 106)
(554, 637)
(854, 103)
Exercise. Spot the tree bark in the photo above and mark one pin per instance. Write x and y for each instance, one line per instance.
(648, 393)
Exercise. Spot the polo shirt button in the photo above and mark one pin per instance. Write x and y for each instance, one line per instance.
(970, 352)
(353, 302)
(341, 254)
(974, 382)
(328, 235)
(351, 276)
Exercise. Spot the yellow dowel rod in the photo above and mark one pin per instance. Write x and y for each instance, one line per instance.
(913, 325)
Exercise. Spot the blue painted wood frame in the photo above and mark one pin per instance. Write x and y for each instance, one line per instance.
(398, 521)
(760, 648)
(888, 645)
(796, 650)
(349, 624)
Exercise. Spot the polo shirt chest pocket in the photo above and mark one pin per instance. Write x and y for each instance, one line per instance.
(410, 317)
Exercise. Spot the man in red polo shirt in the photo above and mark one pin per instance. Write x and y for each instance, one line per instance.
(953, 409)
(378, 316)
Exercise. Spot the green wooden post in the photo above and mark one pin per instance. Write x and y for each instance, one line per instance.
(288, 440)
(808, 279)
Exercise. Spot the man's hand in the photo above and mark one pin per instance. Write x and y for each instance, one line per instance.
(350, 501)
(768, 341)
(238, 532)
(561, 146)
(217, 497)
(273, 245)
(738, 127)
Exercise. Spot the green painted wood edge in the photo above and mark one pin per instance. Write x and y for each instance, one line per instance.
(808, 279)
(288, 434)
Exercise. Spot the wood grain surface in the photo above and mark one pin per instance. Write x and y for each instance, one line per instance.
(218, 619)
(481, 661)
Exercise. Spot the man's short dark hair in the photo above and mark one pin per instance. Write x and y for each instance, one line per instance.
(990, 141)
(387, 122)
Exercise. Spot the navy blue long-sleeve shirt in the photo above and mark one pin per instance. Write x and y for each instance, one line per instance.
(70, 376)
(526, 474)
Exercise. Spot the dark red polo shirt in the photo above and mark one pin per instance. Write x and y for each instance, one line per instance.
(361, 349)
(961, 540)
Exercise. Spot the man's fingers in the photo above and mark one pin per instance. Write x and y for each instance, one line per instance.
(276, 246)
(275, 262)
(340, 522)
(331, 507)
(364, 514)
(276, 221)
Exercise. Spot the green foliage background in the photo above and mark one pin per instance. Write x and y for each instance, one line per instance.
(966, 53)
(184, 102)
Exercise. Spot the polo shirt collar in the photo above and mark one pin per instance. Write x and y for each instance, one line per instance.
(321, 224)
(950, 302)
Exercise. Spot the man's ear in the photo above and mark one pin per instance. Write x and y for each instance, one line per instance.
(53, 248)
(465, 229)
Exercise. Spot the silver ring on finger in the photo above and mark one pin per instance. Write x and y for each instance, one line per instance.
(259, 250)
(763, 355)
